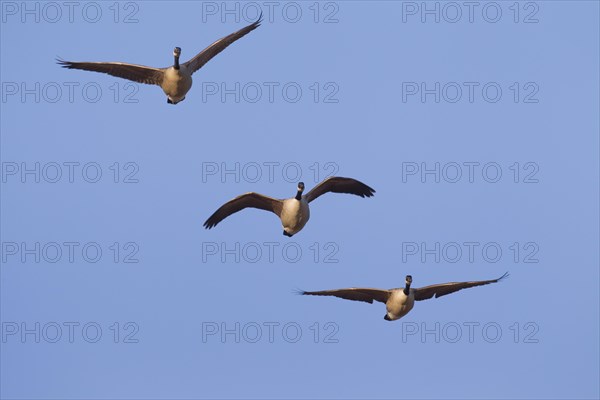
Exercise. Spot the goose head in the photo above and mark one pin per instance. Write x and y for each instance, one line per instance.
(408, 282)
(300, 190)
(176, 54)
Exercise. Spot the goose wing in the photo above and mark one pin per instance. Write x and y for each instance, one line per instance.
(338, 184)
(253, 200)
(136, 73)
(205, 55)
(443, 289)
(358, 294)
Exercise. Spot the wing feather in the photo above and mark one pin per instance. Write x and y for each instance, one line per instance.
(443, 289)
(358, 294)
(252, 200)
(136, 73)
(337, 184)
(208, 53)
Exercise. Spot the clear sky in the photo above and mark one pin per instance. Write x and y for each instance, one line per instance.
(476, 124)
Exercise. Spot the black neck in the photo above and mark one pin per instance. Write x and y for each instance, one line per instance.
(407, 289)
(176, 63)
(298, 195)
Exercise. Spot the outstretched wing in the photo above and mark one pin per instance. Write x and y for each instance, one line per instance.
(336, 184)
(205, 55)
(443, 289)
(136, 73)
(358, 294)
(253, 200)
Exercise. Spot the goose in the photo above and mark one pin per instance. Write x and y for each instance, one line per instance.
(175, 81)
(293, 212)
(398, 302)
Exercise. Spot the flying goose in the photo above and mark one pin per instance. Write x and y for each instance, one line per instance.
(175, 81)
(398, 302)
(293, 212)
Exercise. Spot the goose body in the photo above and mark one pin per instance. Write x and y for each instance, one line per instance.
(294, 212)
(399, 304)
(400, 301)
(176, 84)
(176, 80)
(294, 215)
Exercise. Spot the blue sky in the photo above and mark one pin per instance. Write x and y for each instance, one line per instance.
(478, 131)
